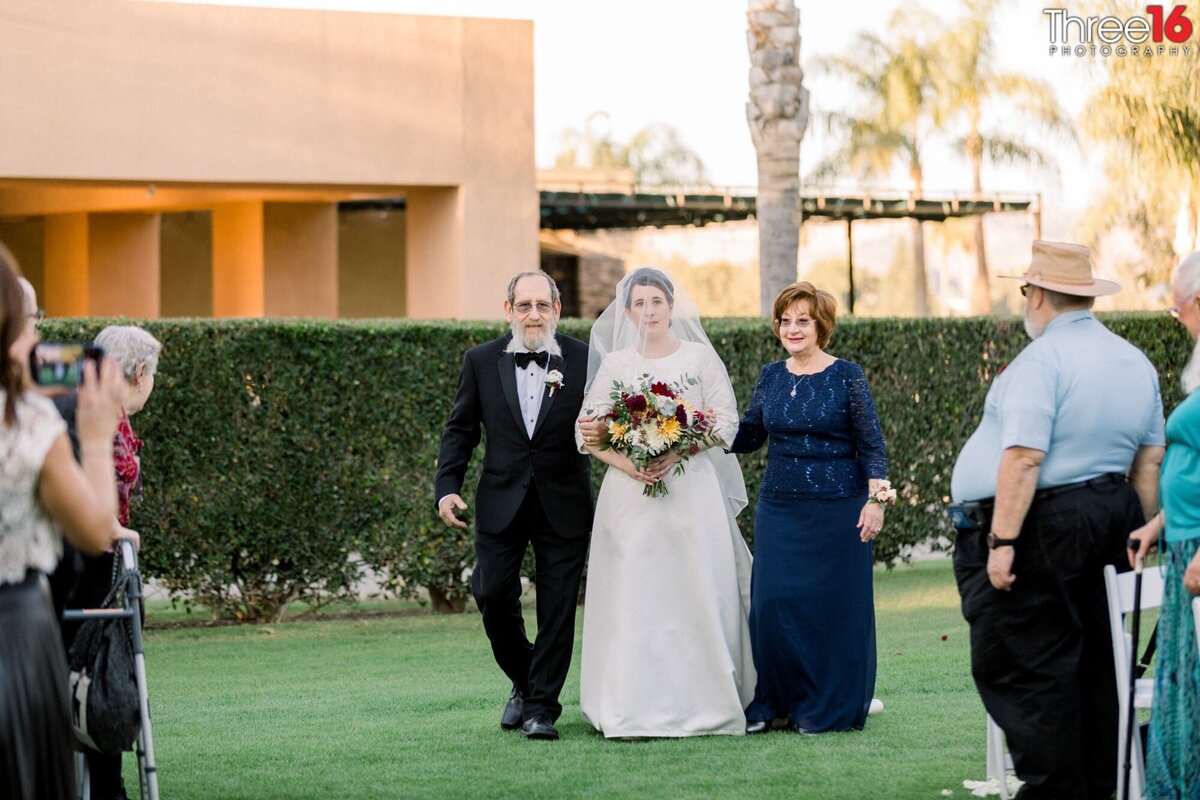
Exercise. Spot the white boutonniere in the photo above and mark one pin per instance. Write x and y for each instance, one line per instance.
(554, 381)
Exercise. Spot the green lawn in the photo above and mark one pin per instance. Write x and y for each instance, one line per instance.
(408, 706)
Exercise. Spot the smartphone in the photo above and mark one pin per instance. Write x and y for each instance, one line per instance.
(60, 364)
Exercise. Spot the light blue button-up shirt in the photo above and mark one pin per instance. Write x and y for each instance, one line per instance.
(1081, 394)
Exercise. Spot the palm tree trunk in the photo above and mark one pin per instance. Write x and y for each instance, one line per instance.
(920, 279)
(777, 113)
(981, 292)
(778, 226)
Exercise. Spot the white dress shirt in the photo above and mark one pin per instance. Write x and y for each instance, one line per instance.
(531, 388)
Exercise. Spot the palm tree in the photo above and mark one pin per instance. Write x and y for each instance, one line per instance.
(590, 146)
(656, 153)
(777, 113)
(967, 81)
(1148, 116)
(898, 92)
(1149, 216)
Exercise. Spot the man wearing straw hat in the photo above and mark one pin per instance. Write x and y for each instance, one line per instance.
(1062, 466)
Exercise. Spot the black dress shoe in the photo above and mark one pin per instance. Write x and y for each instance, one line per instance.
(510, 720)
(539, 728)
(758, 726)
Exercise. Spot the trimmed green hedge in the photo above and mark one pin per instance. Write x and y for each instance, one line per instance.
(275, 449)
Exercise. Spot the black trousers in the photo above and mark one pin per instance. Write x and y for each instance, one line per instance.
(1041, 655)
(537, 669)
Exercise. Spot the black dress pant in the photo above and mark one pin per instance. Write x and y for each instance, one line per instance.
(1041, 654)
(537, 669)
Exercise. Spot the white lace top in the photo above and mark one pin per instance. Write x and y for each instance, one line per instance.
(29, 539)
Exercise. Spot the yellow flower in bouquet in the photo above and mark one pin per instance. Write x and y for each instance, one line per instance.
(669, 429)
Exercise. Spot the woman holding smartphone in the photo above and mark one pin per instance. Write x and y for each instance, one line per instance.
(44, 495)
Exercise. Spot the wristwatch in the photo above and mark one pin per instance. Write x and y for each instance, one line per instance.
(995, 541)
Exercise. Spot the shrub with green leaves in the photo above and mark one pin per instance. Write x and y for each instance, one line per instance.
(276, 449)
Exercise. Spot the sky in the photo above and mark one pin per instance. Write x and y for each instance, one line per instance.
(685, 63)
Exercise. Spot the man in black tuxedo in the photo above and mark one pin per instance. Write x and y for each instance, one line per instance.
(526, 389)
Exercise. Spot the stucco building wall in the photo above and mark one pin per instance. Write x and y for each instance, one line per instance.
(264, 119)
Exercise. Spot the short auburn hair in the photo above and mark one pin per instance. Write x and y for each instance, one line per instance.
(821, 305)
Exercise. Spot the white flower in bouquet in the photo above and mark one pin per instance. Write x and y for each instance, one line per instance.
(653, 439)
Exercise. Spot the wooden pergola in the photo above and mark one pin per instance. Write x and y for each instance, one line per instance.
(584, 210)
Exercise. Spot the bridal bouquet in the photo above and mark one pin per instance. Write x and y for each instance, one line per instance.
(653, 418)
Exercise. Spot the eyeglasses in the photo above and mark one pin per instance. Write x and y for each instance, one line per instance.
(1025, 288)
(525, 308)
(801, 322)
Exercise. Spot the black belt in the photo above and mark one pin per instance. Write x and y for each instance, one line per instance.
(976, 514)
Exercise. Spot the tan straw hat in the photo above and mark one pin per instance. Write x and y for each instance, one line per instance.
(1064, 268)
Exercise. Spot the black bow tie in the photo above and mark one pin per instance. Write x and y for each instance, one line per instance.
(541, 359)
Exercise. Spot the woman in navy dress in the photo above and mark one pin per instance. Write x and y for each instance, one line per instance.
(812, 614)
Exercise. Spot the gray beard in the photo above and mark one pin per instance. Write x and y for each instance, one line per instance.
(519, 343)
(1190, 378)
(1031, 330)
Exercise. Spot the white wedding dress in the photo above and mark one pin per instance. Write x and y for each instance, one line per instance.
(666, 647)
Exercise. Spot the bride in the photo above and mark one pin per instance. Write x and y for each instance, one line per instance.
(666, 648)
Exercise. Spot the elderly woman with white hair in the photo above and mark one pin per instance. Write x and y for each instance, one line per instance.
(136, 352)
(1173, 750)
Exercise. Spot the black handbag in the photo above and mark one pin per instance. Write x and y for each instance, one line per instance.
(105, 707)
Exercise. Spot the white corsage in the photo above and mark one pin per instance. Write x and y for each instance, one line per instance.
(554, 381)
(885, 494)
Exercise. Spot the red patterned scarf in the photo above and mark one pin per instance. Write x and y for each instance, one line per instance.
(126, 446)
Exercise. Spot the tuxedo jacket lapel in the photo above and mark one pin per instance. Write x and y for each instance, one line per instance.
(506, 365)
(555, 363)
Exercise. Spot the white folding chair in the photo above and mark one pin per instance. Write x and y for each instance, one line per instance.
(1196, 614)
(1120, 603)
(999, 762)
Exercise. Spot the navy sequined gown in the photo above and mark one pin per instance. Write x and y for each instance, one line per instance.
(812, 613)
